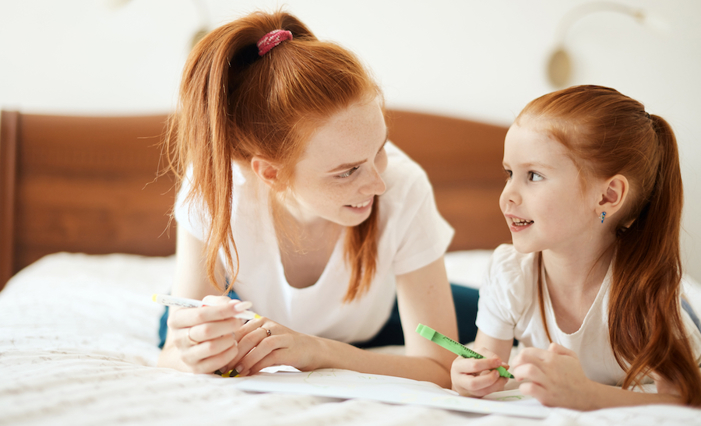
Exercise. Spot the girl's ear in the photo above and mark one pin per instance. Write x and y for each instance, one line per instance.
(613, 195)
(266, 170)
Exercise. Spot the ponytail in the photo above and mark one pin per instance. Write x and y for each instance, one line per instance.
(646, 326)
(235, 103)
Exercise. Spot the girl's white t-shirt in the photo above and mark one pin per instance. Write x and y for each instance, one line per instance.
(412, 234)
(509, 309)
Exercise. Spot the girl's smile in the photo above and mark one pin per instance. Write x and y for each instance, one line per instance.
(518, 224)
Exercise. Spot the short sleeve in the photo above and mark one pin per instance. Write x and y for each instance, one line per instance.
(498, 304)
(425, 234)
(188, 212)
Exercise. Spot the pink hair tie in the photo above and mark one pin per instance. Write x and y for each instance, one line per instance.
(272, 39)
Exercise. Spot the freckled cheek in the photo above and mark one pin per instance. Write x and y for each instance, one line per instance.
(559, 215)
(331, 195)
(315, 193)
(337, 198)
(548, 208)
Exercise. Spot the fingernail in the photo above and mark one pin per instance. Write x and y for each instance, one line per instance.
(245, 315)
(230, 373)
(240, 307)
(239, 368)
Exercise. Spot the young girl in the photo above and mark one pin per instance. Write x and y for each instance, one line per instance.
(292, 197)
(591, 284)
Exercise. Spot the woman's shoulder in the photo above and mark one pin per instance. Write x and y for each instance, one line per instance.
(403, 174)
(189, 210)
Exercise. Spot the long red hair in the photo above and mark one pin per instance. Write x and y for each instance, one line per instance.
(235, 104)
(608, 133)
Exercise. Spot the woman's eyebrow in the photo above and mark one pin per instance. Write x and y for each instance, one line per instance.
(347, 166)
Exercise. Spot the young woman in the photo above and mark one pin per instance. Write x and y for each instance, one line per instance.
(292, 197)
(591, 284)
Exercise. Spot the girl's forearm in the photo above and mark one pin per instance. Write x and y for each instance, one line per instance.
(604, 396)
(336, 354)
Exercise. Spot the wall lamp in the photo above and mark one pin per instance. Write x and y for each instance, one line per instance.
(560, 62)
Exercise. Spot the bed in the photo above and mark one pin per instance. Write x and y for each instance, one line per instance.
(85, 240)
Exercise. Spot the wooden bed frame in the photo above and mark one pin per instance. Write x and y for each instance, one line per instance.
(88, 184)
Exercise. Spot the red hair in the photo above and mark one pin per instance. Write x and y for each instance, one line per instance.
(608, 133)
(235, 104)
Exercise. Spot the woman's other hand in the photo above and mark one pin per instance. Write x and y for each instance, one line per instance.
(205, 337)
(263, 343)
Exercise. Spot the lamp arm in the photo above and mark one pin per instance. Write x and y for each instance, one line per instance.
(585, 9)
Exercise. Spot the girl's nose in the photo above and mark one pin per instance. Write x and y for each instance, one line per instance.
(509, 195)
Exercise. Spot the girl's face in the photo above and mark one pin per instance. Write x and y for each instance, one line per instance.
(340, 171)
(543, 201)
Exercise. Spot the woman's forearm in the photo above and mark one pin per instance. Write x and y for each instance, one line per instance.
(336, 354)
(169, 358)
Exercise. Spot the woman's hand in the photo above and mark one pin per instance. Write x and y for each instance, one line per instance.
(477, 377)
(205, 337)
(554, 377)
(263, 343)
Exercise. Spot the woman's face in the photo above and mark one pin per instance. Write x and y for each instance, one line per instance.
(339, 173)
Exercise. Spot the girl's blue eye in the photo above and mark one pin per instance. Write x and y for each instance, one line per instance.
(534, 177)
(348, 173)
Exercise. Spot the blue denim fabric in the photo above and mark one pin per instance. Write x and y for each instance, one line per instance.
(687, 307)
(464, 298)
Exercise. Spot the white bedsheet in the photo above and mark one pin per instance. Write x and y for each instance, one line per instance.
(78, 341)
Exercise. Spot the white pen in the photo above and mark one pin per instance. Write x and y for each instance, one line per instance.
(192, 303)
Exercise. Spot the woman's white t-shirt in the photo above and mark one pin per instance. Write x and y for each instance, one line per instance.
(509, 309)
(412, 234)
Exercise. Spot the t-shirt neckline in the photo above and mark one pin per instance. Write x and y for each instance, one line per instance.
(281, 268)
(598, 300)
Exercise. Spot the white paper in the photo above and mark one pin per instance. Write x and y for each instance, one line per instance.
(347, 384)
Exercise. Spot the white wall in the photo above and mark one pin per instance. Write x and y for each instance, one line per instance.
(475, 59)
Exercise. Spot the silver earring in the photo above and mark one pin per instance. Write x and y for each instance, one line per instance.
(603, 216)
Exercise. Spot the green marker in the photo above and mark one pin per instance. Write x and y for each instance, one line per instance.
(454, 346)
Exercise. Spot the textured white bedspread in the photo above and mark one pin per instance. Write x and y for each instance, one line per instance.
(78, 339)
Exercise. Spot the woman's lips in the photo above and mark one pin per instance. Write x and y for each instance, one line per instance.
(361, 207)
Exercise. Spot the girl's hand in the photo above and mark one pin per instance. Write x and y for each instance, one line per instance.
(263, 343)
(554, 377)
(477, 377)
(205, 337)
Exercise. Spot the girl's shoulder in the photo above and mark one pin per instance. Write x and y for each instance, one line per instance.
(508, 293)
(510, 269)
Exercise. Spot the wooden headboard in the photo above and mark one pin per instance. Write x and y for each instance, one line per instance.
(88, 184)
